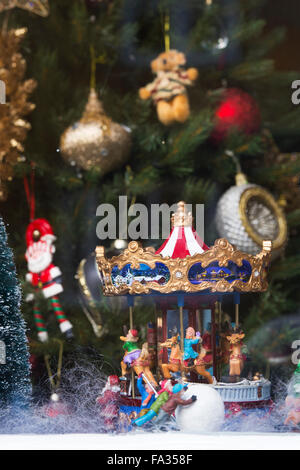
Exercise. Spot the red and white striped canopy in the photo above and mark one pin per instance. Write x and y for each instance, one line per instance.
(183, 239)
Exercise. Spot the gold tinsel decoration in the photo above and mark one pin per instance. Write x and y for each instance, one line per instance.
(95, 141)
(13, 126)
(39, 7)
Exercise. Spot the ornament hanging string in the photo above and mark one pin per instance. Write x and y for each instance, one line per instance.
(167, 32)
(230, 153)
(30, 196)
(55, 382)
(165, 24)
(240, 176)
(101, 59)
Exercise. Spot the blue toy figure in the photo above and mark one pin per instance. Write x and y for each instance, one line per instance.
(191, 339)
(147, 394)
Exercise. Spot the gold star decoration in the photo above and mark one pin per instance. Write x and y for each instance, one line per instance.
(39, 7)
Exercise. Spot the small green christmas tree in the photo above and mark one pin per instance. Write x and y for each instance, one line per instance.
(15, 386)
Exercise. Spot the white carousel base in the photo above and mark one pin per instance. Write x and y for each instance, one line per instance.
(244, 391)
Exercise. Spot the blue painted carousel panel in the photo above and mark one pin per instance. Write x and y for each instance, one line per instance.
(214, 273)
(144, 274)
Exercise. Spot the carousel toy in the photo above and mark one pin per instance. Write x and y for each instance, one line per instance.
(194, 279)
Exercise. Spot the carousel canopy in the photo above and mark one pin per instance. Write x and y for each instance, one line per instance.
(183, 239)
(183, 264)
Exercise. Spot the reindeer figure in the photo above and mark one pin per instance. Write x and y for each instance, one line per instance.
(236, 360)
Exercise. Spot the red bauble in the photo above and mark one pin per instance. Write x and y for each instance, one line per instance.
(237, 111)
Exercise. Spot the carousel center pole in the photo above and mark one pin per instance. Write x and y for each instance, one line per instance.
(180, 302)
(213, 338)
(237, 304)
(130, 305)
(219, 334)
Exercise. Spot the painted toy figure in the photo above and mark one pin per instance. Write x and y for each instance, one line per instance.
(200, 365)
(236, 360)
(147, 395)
(136, 358)
(131, 348)
(292, 401)
(167, 410)
(163, 395)
(44, 276)
(109, 401)
(191, 339)
(175, 364)
(175, 359)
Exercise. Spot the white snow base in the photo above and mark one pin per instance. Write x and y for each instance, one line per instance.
(151, 441)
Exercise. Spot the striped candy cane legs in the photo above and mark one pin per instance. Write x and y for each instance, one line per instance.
(40, 325)
(64, 324)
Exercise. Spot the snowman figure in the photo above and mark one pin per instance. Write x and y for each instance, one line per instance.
(44, 276)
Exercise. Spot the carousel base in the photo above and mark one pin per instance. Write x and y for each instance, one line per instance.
(245, 391)
(240, 397)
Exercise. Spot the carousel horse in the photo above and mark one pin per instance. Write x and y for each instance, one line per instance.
(236, 360)
(135, 358)
(175, 359)
(175, 363)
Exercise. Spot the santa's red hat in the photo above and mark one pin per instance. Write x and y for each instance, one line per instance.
(41, 225)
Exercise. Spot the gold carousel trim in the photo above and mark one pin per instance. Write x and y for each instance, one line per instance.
(222, 252)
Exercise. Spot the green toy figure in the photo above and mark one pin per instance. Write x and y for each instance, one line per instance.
(132, 351)
(167, 410)
(163, 396)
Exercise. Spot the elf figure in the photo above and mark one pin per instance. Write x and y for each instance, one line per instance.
(44, 276)
(109, 400)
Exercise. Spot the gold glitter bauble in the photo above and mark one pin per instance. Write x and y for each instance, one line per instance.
(95, 140)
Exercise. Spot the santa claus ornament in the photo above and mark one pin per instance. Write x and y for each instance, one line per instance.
(44, 276)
